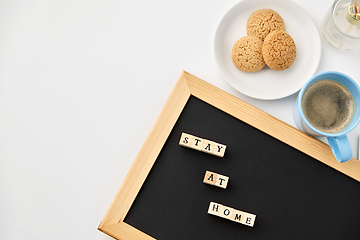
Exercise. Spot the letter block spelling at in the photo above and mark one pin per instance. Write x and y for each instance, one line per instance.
(202, 145)
(231, 214)
(216, 179)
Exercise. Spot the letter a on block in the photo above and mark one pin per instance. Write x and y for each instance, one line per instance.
(208, 146)
(210, 178)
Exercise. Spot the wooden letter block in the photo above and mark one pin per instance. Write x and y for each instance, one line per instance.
(210, 178)
(244, 218)
(197, 143)
(219, 150)
(214, 209)
(250, 219)
(221, 181)
(226, 212)
(231, 214)
(216, 179)
(201, 144)
(208, 146)
(186, 140)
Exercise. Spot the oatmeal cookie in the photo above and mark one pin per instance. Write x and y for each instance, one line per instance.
(279, 50)
(246, 54)
(262, 22)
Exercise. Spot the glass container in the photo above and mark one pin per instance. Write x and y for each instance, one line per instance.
(340, 28)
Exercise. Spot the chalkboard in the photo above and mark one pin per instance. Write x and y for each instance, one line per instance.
(289, 180)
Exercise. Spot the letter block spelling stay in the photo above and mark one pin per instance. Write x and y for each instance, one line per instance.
(216, 179)
(201, 144)
(231, 214)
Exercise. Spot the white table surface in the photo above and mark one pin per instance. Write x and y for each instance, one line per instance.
(82, 83)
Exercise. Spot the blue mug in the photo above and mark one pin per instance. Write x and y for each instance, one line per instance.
(338, 141)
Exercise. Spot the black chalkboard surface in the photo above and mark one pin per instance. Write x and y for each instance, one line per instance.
(292, 194)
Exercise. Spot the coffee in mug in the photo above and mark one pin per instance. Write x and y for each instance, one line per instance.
(328, 105)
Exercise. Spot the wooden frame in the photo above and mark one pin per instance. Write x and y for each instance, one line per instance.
(188, 85)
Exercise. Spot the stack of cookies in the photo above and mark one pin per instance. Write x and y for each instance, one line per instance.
(266, 43)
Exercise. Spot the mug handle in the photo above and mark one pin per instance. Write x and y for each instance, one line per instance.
(340, 146)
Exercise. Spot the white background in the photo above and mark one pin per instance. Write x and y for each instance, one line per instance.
(82, 83)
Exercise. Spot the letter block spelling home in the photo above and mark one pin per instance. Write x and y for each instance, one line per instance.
(216, 179)
(203, 145)
(231, 214)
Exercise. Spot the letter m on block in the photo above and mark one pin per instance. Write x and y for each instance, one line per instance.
(237, 217)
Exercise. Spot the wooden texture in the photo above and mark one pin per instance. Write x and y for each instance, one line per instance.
(188, 85)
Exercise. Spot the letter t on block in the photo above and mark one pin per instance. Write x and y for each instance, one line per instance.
(221, 181)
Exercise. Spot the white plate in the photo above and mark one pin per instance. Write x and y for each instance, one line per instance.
(268, 84)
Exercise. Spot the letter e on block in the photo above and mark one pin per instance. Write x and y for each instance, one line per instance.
(249, 219)
(244, 218)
